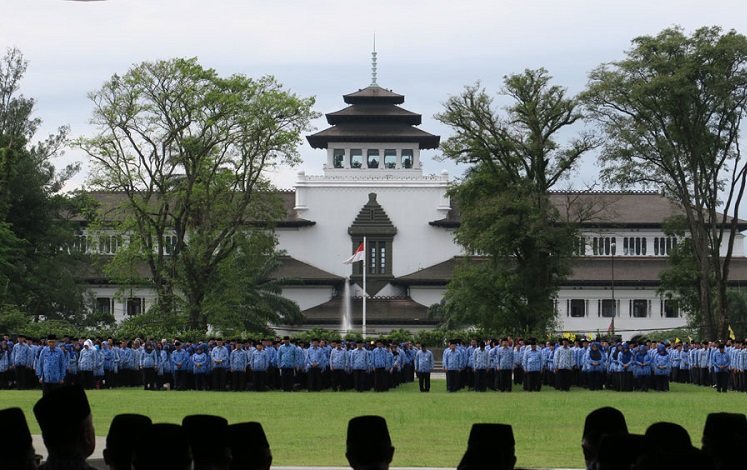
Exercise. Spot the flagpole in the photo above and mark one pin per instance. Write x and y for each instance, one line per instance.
(363, 329)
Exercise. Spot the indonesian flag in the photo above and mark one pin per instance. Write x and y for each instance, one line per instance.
(357, 256)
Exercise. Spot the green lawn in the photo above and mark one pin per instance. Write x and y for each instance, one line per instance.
(427, 429)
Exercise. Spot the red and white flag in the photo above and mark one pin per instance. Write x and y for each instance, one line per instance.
(357, 256)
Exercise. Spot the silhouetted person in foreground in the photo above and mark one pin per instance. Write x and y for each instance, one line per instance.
(161, 447)
(725, 439)
(208, 437)
(64, 417)
(490, 446)
(249, 447)
(16, 447)
(369, 446)
(606, 420)
(120, 442)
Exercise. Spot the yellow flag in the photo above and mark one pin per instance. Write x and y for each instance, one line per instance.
(567, 335)
(690, 338)
(589, 336)
(731, 334)
(573, 337)
(677, 340)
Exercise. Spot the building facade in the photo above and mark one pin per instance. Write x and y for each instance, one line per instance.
(373, 186)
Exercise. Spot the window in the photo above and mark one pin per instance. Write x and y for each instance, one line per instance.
(604, 246)
(169, 244)
(579, 247)
(671, 308)
(373, 158)
(663, 245)
(634, 246)
(608, 309)
(108, 244)
(338, 158)
(578, 308)
(640, 308)
(104, 304)
(390, 159)
(134, 306)
(377, 261)
(356, 158)
(81, 243)
(406, 158)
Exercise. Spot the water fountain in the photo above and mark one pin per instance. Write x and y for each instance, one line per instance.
(346, 309)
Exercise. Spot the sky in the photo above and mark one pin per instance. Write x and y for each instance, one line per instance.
(427, 50)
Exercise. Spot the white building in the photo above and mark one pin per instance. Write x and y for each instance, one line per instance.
(373, 185)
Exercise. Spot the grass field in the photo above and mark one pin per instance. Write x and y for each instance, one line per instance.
(427, 429)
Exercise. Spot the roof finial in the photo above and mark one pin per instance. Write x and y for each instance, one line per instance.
(373, 63)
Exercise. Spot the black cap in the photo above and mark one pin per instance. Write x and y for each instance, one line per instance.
(123, 434)
(721, 427)
(60, 409)
(491, 434)
(368, 438)
(52, 337)
(249, 446)
(605, 420)
(208, 435)
(15, 438)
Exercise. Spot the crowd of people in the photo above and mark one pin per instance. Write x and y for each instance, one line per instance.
(205, 442)
(292, 365)
(595, 365)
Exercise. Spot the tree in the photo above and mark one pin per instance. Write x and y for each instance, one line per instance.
(671, 111)
(506, 213)
(189, 151)
(37, 269)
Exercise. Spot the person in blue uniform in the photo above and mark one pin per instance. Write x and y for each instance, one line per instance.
(287, 362)
(452, 362)
(563, 363)
(338, 360)
(316, 362)
(661, 363)
(595, 360)
(21, 361)
(239, 364)
(200, 365)
(480, 364)
(423, 364)
(149, 366)
(533, 364)
(260, 363)
(359, 363)
(220, 363)
(180, 366)
(721, 361)
(625, 359)
(51, 366)
(86, 364)
(379, 364)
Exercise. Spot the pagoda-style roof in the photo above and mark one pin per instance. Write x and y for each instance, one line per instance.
(374, 112)
(372, 220)
(374, 117)
(373, 94)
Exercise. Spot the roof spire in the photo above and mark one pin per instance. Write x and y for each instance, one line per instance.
(373, 63)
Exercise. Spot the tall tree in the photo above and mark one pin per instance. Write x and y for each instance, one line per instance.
(672, 111)
(515, 159)
(189, 150)
(36, 273)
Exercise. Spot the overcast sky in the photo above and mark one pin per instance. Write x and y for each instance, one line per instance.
(427, 50)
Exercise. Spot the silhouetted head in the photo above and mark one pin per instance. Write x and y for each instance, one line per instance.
(16, 447)
(64, 417)
(369, 446)
(490, 445)
(606, 420)
(208, 436)
(161, 446)
(120, 442)
(249, 447)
